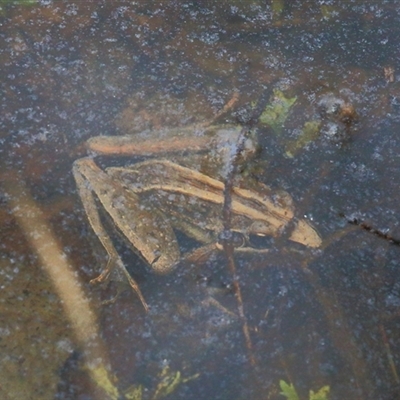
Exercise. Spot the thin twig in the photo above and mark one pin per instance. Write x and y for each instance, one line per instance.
(373, 230)
(227, 244)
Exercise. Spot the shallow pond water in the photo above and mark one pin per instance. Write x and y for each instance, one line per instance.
(318, 82)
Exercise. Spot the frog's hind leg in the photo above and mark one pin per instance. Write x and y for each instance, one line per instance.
(89, 204)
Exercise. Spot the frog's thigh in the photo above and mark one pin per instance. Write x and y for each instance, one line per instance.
(166, 175)
(149, 168)
(82, 171)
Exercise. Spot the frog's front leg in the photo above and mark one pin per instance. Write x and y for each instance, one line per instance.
(147, 231)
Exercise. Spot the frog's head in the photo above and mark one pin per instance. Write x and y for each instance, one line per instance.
(302, 232)
(305, 234)
(262, 228)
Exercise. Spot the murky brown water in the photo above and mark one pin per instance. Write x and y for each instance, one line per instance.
(328, 137)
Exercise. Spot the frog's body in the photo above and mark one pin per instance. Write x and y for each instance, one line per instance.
(148, 200)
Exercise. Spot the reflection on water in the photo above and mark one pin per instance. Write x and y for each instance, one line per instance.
(327, 145)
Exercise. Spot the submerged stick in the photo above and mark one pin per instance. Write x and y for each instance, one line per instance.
(228, 244)
(55, 264)
(227, 241)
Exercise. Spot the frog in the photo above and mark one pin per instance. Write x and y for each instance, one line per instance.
(176, 184)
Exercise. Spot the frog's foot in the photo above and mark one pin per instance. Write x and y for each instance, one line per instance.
(136, 288)
(113, 299)
(120, 275)
(112, 263)
(122, 287)
(103, 277)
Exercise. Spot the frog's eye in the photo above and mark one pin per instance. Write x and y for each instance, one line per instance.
(237, 239)
(260, 241)
(261, 228)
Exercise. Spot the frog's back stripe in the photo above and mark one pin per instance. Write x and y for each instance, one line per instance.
(168, 176)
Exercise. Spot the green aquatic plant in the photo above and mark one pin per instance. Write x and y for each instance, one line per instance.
(309, 133)
(17, 2)
(168, 383)
(104, 380)
(4, 4)
(328, 12)
(289, 391)
(275, 115)
(276, 112)
(277, 7)
(134, 393)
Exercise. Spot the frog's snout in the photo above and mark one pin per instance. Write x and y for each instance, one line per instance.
(305, 234)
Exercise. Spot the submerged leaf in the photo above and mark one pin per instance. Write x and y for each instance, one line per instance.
(169, 382)
(105, 381)
(134, 393)
(276, 113)
(309, 133)
(322, 394)
(288, 390)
